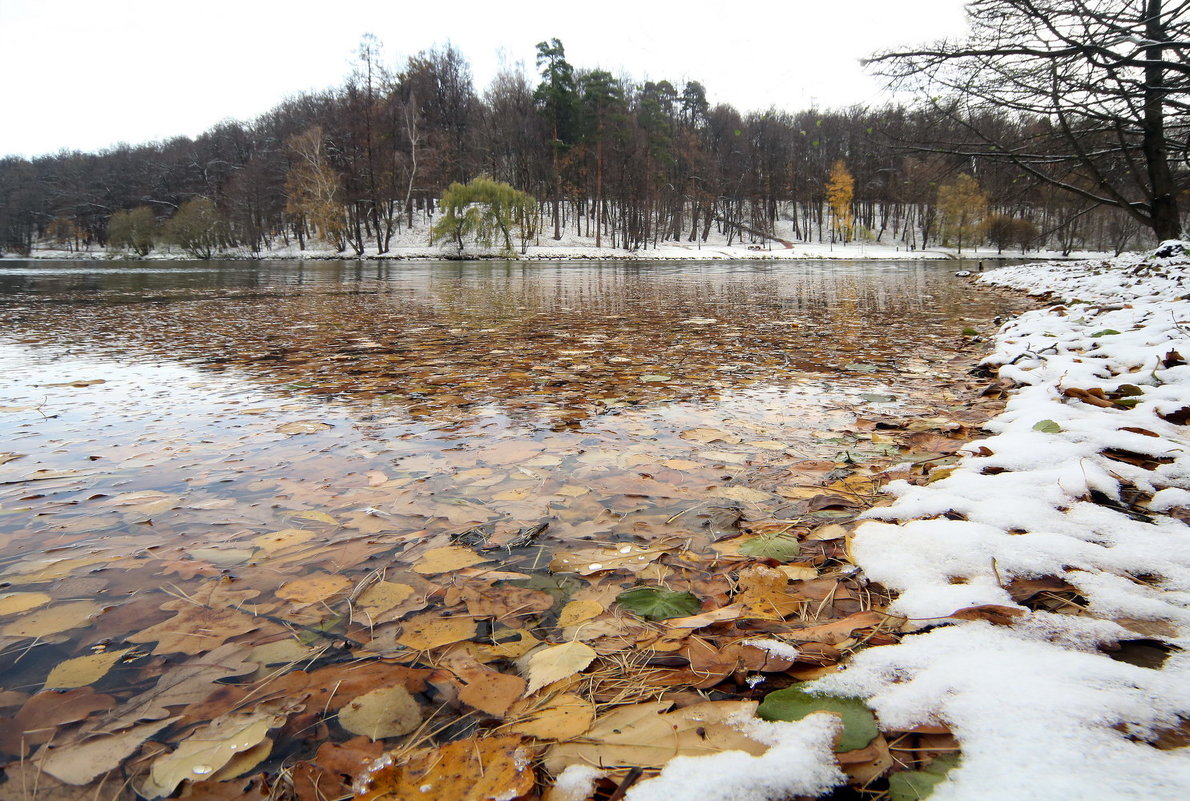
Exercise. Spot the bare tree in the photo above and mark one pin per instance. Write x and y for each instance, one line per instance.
(1104, 82)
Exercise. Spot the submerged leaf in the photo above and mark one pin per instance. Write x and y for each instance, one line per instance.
(794, 703)
(781, 547)
(658, 603)
(387, 712)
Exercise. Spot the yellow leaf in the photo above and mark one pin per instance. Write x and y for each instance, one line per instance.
(578, 611)
(80, 764)
(302, 427)
(82, 670)
(431, 630)
(312, 589)
(547, 665)
(443, 560)
(53, 619)
(742, 494)
(387, 712)
(207, 750)
(563, 717)
(383, 595)
(13, 602)
(280, 540)
(321, 517)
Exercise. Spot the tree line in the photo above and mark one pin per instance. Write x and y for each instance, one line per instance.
(567, 151)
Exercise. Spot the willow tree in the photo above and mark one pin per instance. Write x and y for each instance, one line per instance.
(486, 211)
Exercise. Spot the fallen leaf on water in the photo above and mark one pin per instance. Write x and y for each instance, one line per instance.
(13, 602)
(280, 540)
(658, 603)
(386, 712)
(302, 427)
(80, 763)
(779, 547)
(562, 717)
(742, 494)
(720, 615)
(207, 750)
(53, 619)
(596, 560)
(708, 435)
(40, 717)
(313, 589)
(475, 769)
(82, 670)
(490, 691)
(547, 665)
(10, 456)
(195, 630)
(383, 595)
(431, 630)
(578, 611)
(646, 735)
(444, 560)
(321, 517)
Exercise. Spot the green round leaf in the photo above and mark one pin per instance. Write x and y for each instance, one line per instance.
(1047, 427)
(781, 547)
(1104, 333)
(914, 785)
(658, 603)
(793, 703)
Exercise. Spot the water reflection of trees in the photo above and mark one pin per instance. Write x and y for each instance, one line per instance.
(549, 344)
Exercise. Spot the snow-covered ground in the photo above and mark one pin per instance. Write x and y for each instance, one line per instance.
(1080, 493)
(413, 243)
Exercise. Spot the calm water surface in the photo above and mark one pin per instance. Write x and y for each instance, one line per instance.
(164, 427)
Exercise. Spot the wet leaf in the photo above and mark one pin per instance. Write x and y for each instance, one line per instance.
(658, 603)
(83, 670)
(386, 712)
(646, 735)
(53, 619)
(1106, 332)
(14, 602)
(547, 665)
(195, 630)
(383, 595)
(780, 547)
(794, 703)
(475, 769)
(80, 763)
(490, 691)
(302, 427)
(577, 612)
(431, 630)
(915, 785)
(561, 717)
(207, 750)
(742, 494)
(1047, 427)
(314, 588)
(444, 560)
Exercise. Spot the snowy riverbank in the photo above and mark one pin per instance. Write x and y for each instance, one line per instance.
(1061, 537)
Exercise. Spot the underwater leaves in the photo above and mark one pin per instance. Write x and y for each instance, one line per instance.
(658, 603)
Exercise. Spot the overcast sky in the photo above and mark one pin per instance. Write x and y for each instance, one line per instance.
(86, 74)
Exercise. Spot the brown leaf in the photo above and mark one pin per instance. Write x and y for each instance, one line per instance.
(475, 769)
(836, 631)
(45, 712)
(992, 613)
(490, 691)
(196, 629)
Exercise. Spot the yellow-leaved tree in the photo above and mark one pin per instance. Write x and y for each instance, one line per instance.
(963, 207)
(840, 190)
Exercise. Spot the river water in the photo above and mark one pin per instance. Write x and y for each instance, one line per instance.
(274, 436)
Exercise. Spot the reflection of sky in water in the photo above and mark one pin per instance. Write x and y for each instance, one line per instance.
(163, 420)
